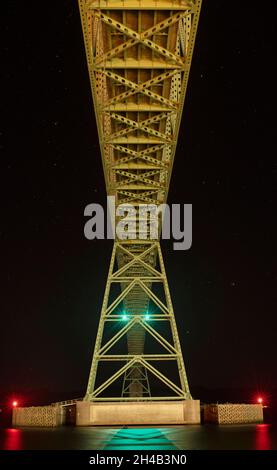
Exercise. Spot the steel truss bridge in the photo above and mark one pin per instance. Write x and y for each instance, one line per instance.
(139, 54)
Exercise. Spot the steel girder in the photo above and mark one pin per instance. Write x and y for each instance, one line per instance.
(136, 277)
(139, 55)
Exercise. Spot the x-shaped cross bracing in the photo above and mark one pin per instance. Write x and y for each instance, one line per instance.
(141, 38)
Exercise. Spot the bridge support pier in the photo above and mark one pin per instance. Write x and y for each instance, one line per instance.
(137, 413)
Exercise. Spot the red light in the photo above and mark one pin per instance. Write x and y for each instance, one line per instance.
(260, 400)
(14, 403)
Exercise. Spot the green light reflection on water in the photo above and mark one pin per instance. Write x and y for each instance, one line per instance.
(140, 439)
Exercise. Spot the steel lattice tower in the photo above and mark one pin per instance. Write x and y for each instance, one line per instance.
(139, 55)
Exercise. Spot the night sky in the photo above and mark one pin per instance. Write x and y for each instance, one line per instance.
(224, 289)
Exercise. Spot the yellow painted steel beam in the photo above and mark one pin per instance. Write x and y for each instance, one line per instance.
(98, 27)
(140, 4)
(139, 54)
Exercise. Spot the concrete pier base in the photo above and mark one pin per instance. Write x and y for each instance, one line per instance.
(230, 413)
(137, 413)
(44, 416)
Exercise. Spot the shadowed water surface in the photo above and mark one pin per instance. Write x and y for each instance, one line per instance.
(250, 437)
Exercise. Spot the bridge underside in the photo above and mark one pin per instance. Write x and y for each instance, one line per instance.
(139, 55)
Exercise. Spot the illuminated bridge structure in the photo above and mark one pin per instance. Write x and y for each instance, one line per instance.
(139, 54)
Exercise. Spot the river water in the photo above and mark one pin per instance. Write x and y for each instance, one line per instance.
(248, 437)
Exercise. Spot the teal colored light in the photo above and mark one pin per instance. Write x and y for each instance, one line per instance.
(125, 317)
(147, 317)
(141, 439)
